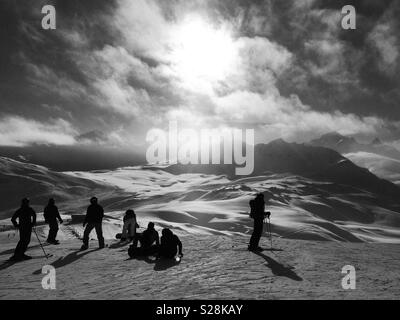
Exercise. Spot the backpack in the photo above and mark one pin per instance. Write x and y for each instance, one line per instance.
(252, 204)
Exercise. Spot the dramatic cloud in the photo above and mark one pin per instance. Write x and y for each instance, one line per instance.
(385, 41)
(18, 131)
(287, 69)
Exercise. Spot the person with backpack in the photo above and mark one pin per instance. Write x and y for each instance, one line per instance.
(26, 221)
(93, 220)
(149, 243)
(170, 244)
(258, 214)
(130, 225)
(51, 215)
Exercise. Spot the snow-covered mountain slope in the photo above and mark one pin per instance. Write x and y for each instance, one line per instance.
(302, 208)
(317, 163)
(381, 166)
(19, 180)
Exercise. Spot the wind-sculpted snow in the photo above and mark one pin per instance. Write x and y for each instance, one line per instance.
(302, 208)
(207, 204)
(210, 214)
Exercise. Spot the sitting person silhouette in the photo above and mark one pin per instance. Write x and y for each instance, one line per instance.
(170, 244)
(149, 243)
(149, 240)
(130, 225)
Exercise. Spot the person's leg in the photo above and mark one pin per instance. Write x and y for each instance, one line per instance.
(258, 229)
(99, 232)
(88, 229)
(252, 244)
(168, 252)
(49, 235)
(153, 250)
(18, 252)
(137, 238)
(53, 231)
(26, 239)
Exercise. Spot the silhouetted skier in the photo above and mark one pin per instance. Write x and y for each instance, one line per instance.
(93, 220)
(257, 212)
(26, 220)
(169, 245)
(51, 215)
(130, 225)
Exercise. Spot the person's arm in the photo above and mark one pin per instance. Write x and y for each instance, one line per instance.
(101, 212)
(14, 218)
(86, 216)
(33, 214)
(157, 239)
(179, 243)
(58, 216)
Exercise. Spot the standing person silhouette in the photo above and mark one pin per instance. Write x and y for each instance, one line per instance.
(51, 215)
(93, 220)
(26, 221)
(257, 207)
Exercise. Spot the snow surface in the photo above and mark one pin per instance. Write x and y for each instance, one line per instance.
(319, 226)
(383, 167)
(213, 267)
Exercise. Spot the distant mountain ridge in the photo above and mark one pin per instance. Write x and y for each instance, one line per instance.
(75, 158)
(304, 160)
(21, 179)
(345, 144)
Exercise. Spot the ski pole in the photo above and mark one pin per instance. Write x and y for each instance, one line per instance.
(269, 229)
(45, 254)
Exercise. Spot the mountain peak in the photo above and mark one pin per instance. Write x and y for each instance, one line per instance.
(376, 141)
(279, 141)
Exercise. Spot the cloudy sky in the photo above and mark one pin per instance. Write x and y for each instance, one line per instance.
(112, 70)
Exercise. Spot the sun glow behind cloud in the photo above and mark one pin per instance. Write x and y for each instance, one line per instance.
(201, 53)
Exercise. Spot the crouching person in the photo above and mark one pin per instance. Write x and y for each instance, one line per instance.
(93, 220)
(170, 245)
